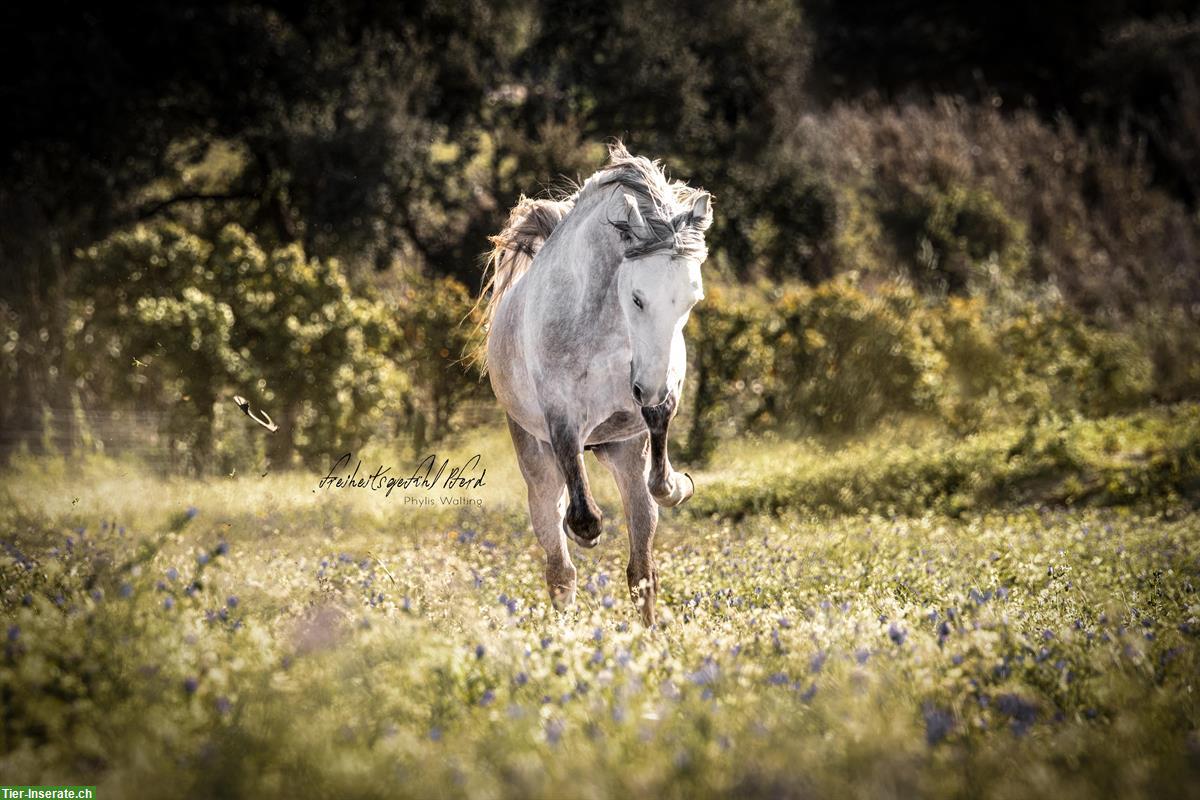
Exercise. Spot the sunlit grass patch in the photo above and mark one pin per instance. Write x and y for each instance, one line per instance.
(1147, 458)
(226, 638)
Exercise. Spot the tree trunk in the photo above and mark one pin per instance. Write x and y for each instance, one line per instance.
(281, 445)
(699, 440)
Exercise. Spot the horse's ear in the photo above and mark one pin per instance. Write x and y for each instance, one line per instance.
(702, 211)
(635, 224)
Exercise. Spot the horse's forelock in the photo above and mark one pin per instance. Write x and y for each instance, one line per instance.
(665, 205)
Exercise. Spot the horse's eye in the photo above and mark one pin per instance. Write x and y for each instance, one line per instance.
(637, 301)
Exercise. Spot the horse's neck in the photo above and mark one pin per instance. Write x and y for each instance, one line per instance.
(588, 251)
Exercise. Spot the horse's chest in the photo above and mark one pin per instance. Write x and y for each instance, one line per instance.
(621, 425)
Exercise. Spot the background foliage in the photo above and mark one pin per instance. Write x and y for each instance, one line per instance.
(921, 211)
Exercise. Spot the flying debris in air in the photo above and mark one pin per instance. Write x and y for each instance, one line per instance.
(244, 405)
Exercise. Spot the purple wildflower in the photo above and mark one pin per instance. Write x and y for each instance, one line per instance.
(1022, 712)
(897, 634)
(939, 723)
(190, 685)
(706, 674)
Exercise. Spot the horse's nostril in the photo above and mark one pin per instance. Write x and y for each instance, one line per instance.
(637, 392)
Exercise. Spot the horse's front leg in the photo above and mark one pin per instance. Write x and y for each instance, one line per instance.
(583, 522)
(667, 487)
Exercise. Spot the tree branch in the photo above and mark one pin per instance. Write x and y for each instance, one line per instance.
(153, 209)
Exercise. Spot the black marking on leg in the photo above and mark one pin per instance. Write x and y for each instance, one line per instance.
(658, 421)
(583, 522)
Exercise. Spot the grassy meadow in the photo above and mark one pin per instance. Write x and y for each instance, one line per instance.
(1011, 614)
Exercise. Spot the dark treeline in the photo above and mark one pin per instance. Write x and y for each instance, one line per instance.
(356, 155)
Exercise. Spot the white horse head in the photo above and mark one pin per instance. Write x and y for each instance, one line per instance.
(657, 285)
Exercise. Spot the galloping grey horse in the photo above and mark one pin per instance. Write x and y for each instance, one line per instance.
(585, 308)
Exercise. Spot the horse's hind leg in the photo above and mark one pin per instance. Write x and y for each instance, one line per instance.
(547, 508)
(628, 461)
(667, 487)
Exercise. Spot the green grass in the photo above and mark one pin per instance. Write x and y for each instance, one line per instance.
(1151, 458)
(376, 651)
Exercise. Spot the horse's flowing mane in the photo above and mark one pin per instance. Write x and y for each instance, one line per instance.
(665, 206)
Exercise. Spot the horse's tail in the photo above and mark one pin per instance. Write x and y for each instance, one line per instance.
(529, 224)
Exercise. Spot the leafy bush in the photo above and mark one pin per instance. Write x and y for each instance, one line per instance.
(729, 363)
(170, 319)
(435, 322)
(844, 360)
(837, 359)
(1057, 361)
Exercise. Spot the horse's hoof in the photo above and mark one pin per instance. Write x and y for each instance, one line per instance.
(579, 540)
(680, 492)
(688, 490)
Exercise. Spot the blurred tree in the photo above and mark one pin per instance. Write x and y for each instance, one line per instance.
(706, 85)
(1147, 82)
(316, 145)
(329, 108)
(1125, 65)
